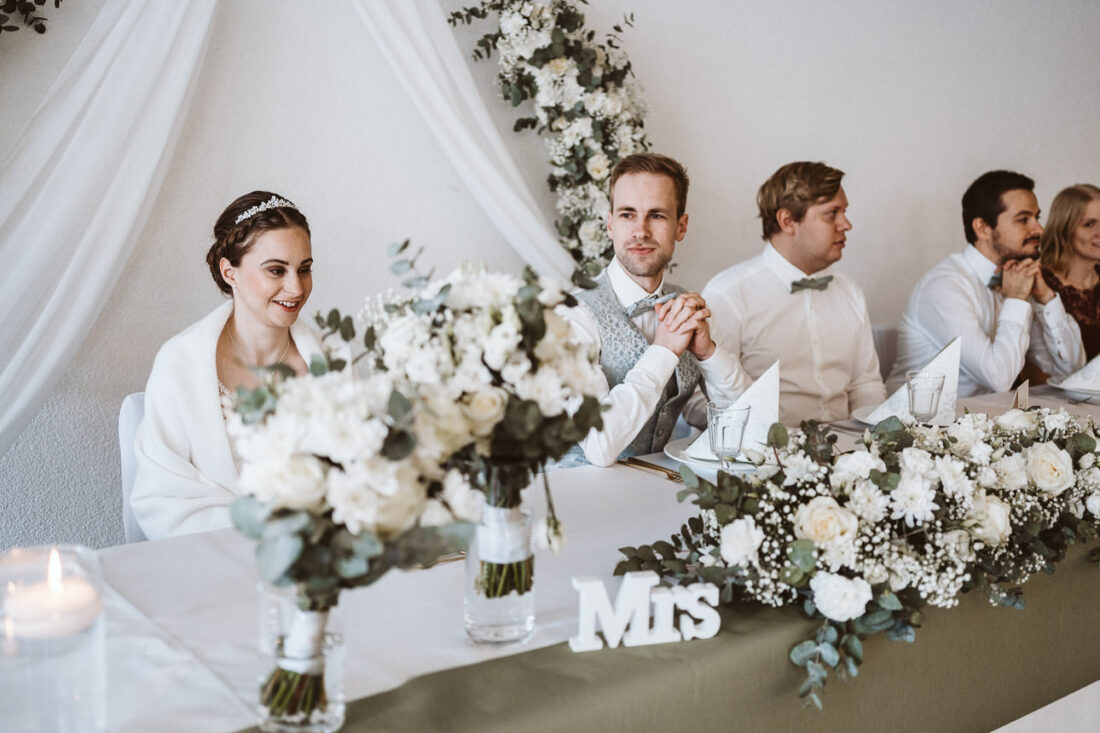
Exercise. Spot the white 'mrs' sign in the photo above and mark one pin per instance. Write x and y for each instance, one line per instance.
(629, 619)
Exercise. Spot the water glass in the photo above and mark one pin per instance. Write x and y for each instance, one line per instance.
(726, 428)
(925, 388)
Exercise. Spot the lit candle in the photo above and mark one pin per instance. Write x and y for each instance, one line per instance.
(58, 607)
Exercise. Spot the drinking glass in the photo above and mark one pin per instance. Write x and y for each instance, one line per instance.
(726, 428)
(925, 388)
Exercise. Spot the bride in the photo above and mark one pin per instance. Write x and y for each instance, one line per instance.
(186, 468)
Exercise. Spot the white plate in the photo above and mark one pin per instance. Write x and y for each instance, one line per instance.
(677, 451)
(863, 414)
(1076, 390)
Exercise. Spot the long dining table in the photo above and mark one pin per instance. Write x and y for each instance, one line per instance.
(182, 617)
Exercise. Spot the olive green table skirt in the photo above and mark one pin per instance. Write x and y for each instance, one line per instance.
(972, 668)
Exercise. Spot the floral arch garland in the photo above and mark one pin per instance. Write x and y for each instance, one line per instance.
(585, 102)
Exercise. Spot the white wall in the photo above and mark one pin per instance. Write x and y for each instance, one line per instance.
(913, 100)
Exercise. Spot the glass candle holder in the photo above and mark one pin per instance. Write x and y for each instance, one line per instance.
(53, 671)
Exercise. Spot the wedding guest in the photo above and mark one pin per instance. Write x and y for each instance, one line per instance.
(652, 337)
(992, 296)
(787, 303)
(186, 467)
(1070, 251)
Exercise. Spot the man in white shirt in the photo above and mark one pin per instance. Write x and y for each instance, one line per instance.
(769, 307)
(652, 337)
(992, 296)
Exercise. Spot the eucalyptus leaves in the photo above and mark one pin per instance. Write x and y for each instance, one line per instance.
(584, 100)
(913, 517)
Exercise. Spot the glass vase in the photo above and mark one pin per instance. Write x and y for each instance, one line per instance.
(500, 596)
(301, 689)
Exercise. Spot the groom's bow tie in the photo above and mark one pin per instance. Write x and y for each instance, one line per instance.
(646, 304)
(811, 283)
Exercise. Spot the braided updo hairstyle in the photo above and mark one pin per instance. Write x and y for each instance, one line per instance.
(233, 241)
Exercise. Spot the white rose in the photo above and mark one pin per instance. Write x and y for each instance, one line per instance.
(1050, 468)
(296, 483)
(991, 519)
(1018, 421)
(839, 598)
(741, 538)
(823, 521)
(1093, 504)
(598, 166)
(917, 461)
(377, 495)
(485, 409)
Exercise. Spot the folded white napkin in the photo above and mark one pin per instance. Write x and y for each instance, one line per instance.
(946, 362)
(1086, 378)
(763, 401)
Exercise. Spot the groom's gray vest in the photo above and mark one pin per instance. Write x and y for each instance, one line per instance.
(622, 344)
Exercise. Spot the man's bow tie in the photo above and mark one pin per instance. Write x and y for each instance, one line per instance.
(646, 304)
(811, 283)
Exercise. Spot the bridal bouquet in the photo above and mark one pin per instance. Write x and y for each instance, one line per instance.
(914, 516)
(338, 490)
(584, 100)
(493, 363)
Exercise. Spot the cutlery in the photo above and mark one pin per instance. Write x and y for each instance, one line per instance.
(647, 466)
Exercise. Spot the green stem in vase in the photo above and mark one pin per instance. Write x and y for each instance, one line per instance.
(497, 580)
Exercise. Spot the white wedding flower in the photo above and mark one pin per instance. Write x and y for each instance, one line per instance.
(297, 482)
(917, 461)
(1093, 503)
(801, 468)
(1021, 421)
(435, 514)
(598, 166)
(838, 598)
(1011, 472)
(1057, 421)
(545, 388)
(465, 501)
(1050, 468)
(740, 541)
(867, 501)
(1088, 460)
(953, 478)
(484, 409)
(377, 495)
(957, 542)
(823, 521)
(852, 466)
(990, 519)
(987, 478)
(981, 453)
(913, 500)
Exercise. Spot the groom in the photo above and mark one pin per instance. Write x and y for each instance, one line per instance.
(652, 337)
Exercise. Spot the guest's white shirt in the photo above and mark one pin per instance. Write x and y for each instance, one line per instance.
(996, 333)
(828, 364)
(633, 401)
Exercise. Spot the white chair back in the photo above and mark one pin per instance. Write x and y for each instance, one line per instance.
(886, 344)
(129, 417)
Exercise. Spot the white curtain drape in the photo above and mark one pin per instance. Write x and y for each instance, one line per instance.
(79, 182)
(420, 47)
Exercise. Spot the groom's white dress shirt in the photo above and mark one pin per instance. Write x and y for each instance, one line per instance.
(633, 401)
(828, 364)
(996, 333)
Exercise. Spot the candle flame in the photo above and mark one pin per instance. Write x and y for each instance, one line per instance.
(53, 574)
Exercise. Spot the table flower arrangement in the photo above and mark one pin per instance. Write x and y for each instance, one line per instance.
(338, 490)
(488, 356)
(585, 103)
(914, 516)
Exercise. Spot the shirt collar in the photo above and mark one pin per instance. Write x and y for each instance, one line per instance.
(626, 290)
(979, 263)
(783, 269)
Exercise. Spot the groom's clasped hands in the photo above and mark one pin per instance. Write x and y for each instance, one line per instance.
(682, 326)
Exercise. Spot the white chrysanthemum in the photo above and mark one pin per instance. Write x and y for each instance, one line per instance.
(953, 478)
(1057, 421)
(868, 502)
(917, 461)
(1011, 472)
(980, 453)
(913, 500)
(799, 468)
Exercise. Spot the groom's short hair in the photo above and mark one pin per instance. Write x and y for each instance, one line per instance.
(795, 187)
(658, 164)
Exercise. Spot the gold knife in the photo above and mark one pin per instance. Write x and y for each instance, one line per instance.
(647, 466)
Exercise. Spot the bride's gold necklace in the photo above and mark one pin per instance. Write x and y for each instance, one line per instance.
(244, 358)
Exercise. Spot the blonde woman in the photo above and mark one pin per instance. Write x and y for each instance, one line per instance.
(1070, 253)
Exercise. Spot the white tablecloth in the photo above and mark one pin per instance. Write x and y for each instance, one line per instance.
(182, 613)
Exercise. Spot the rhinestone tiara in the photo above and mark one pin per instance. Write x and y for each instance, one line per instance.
(272, 203)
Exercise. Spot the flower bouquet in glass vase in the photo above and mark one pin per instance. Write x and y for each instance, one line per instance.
(338, 491)
(490, 357)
